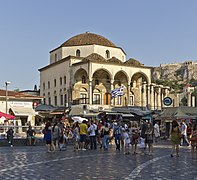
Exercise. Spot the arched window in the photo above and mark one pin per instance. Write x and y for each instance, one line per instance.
(107, 54)
(61, 99)
(48, 85)
(55, 100)
(78, 53)
(55, 57)
(83, 80)
(96, 97)
(55, 83)
(64, 79)
(96, 82)
(60, 80)
(43, 86)
(49, 100)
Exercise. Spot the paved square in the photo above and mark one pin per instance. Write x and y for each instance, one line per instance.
(34, 163)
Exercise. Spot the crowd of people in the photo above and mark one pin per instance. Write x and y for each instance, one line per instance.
(132, 137)
(125, 136)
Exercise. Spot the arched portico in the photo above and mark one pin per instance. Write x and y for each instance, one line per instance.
(101, 86)
(138, 88)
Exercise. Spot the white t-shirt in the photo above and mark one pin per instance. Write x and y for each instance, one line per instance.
(126, 138)
(184, 129)
(156, 130)
(92, 130)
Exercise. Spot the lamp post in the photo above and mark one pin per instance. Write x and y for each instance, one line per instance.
(6, 94)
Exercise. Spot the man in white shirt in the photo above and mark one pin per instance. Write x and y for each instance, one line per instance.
(156, 131)
(92, 134)
(184, 133)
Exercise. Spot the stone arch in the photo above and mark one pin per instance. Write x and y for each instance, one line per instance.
(121, 76)
(121, 81)
(80, 89)
(79, 74)
(139, 78)
(97, 96)
(137, 88)
(101, 80)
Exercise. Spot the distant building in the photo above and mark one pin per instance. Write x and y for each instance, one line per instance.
(86, 68)
(20, 105)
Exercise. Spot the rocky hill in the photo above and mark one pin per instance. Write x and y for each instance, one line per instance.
(176, 75)
(180, 72)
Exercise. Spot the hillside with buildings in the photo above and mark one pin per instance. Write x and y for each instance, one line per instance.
(181, 78)
(176, 75)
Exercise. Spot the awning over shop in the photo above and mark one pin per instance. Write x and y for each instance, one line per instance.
(23, 111)
(182, 112)
(6, 116)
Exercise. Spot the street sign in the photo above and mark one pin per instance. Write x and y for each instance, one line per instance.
(167, 101)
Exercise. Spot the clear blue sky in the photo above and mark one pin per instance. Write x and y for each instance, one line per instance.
(151, 31)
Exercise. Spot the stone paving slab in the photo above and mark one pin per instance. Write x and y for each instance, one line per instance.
(34, 163)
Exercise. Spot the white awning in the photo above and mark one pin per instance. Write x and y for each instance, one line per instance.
(23, 111)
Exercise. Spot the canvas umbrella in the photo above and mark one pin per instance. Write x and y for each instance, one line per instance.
(78, 119)
(6, 116)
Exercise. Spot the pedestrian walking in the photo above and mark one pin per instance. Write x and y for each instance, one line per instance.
(62, 140)
(117, 133)
(193, 138)
(134, 137)
(106, 132)
(83, 133)
(143, 135)
(149, 138)
(92, 134)
(31, 136)
(48, 137)
(100, 134)
(76, 136)
(10, 136)
(55, 136)
(126, 140)
(175, 137)
(156, 131)
(184, 134)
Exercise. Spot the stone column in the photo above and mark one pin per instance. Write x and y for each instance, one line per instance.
(112, 87)
(152, 97)
(148, 96)
(128, 92)
(193, 101)
(159, 98)
(155, 98)
(177, 100)
(189, 99)
(144, 94)
(90, 92)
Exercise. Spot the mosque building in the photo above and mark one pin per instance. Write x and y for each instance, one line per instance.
(87, 68)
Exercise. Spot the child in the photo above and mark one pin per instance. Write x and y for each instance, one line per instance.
(126, 140)
(76, 137)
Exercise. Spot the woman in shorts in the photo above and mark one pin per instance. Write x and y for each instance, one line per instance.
(47, 136)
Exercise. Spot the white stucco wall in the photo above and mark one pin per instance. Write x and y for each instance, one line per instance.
(86, 51)
(58, 53)
(114, 52)
(55, 72)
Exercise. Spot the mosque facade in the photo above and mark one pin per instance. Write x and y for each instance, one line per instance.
(87, 68)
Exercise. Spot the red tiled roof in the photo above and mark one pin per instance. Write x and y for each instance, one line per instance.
(18, 94)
